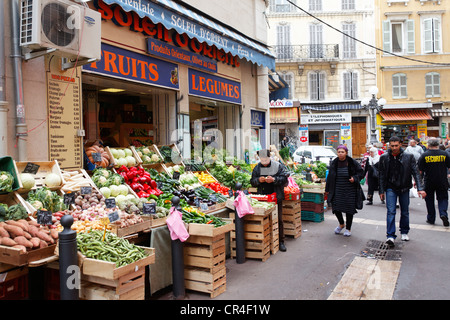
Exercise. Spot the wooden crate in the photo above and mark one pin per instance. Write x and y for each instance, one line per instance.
(204, 264)
(45, 167)
(114, 161)
(67, 174)
(257, 236)
(33, 211)
(208, 230)
(177, 151)
(16, 257)
(292, 219)
(274, 232)
(135, 228)
(158, 222)
(152, 148)
(259, 211)
(314, 188)
(14, 198)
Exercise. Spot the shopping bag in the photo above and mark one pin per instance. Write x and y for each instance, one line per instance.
(176, 225)
(242, 205)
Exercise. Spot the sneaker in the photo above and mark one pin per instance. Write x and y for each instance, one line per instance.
(429, 222)
(347, 233)
(405, 237)
(338, 229)
(445, 221)
(390, 242)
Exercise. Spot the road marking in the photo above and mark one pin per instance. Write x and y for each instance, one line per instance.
(367, 279)
(429, 227)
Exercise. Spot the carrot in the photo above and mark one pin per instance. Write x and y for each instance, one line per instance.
(23, 241)
(14, 231)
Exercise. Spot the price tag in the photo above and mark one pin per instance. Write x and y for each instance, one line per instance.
(246, 192)
(86, 190)
(176, 175)
(149, 208)
(44, 217)
(159, 184)
(187, 167)
(31, 168)
(213, 197)
(230, 193)
(197, 201)
(69, 198)
(110, 203)
(113, 216)
(97, 156)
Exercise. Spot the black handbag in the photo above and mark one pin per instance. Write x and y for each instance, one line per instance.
(360, 197)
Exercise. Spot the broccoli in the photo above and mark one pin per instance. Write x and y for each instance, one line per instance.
(16, 212)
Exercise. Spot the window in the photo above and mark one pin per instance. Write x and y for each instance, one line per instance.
(348, 4)
(399, 86)
(431, 35)
(316, 85)
(432, 84)
(289, 78)
(315, 5)
(315, 41)
(349, 44)
(350, 85)
(281, 6)
(398, 36)
(284, 48)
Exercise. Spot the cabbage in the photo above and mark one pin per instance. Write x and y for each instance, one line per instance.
(131, 162)
(120, 198)
(121, 162)
(52, 180)
(127, 152)
(120, 154)
(114, 190)
(27, 180)
(114, 152)
(146, 151)
(155, 157)
(106, 192)
(123, 189)
(129, 196)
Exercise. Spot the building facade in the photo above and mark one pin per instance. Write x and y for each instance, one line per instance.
(413, 68)
(327, 71)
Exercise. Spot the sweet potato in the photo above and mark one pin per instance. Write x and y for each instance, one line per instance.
(6, 241)
(43, 236)
(14, 223)
(27, 235)
(35, 241)
(14, 231)
(24, 224)
(23, 241)
(21, 247)
(54, 233)
(3, 232)
(33, 230)
(42, 244)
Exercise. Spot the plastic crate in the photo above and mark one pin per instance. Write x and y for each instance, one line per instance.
(7, 164)
(312, 216)
(312, 197)
(312, 206)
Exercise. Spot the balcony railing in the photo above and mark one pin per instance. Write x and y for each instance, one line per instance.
(307, 52)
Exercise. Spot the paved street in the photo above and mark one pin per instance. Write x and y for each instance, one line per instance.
(315, 262)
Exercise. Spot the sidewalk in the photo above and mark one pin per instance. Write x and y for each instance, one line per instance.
(315, 263)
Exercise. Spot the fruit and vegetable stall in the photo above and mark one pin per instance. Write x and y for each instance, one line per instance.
(120, 207)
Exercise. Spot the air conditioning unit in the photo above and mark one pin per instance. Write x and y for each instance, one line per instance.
(71, 29)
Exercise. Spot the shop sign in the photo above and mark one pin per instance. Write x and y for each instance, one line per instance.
(346, 131)
(282, 104)
(303, 134)
(326, 118)
(217, 88)
(258, 118)
(120, 63)
(164, 50)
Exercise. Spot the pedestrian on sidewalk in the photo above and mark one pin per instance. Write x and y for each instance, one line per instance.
(414, 149)
(342, 188)
(396, 168)
(371, 169)
(269, 177)
(433, 166)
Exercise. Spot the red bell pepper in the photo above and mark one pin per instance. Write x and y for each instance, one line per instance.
(123, 168)
(142, 194)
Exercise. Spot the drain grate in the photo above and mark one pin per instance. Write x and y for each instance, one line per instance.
(376, 249)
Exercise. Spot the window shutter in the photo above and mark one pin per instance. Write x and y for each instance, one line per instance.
(436, 84)
(403, 92)
(387, 44)
(354, 85)
(410, 36)
(347, 86)
(428, 85)
(428, 40)
(313, 86)
(321, 86)
(437, 35)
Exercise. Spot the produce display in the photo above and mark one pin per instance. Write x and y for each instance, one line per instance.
(166, 153)
(105, 157)
(123, 157)
(6, 181)
(74, 180)
(166, 182)
(147, 155)
(28, 181)
(44, 198)
(26, 235)
(205, 177)
(217, 187)
(113, 249)
(194, 216)
(110, 184)
(176, 168)
(229, 176)
(140, 181)
(189, 181)
(205, 194)
(14, 212)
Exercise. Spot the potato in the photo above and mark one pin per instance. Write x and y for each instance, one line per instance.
(23, 241)
(6, 241)
(21, 247)
(14, 231)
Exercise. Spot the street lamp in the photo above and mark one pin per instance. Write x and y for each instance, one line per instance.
(374, 106)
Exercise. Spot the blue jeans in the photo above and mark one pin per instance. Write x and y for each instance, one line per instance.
(442, 200)
(391, 202)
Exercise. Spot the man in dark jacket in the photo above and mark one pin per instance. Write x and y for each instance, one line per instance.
(271, 177)
(434, 164)
(395, 171)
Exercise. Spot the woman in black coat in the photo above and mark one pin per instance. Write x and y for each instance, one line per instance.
(343, 188)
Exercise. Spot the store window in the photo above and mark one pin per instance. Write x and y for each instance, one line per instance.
(399, 86)
(432, 84)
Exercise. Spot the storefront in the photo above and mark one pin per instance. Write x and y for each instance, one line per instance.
(284, 122)
(406, 124)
